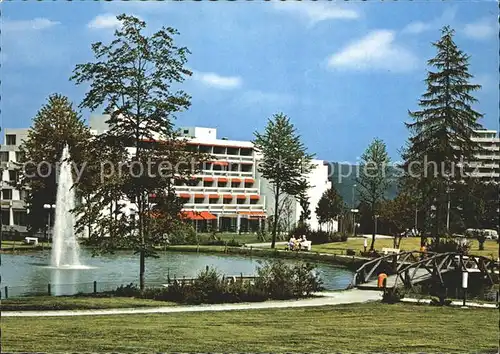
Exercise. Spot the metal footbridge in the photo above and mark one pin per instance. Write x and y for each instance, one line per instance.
(407, 269)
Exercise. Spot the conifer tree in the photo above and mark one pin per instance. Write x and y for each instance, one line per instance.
(440, 133)
(55, 125)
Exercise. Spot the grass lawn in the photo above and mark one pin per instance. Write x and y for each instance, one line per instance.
(10, 245)
(361, 328)
(408, 244)
(76, 303)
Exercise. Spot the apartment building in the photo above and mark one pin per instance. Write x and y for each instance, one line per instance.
(13, 209)
(487, 163)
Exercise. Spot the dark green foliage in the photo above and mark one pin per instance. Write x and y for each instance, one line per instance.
(135, 78)
(285, 161)
(317, 236)
(440, 134)
(55, 125)
(330, 207)
(448, 244)
(276, 280)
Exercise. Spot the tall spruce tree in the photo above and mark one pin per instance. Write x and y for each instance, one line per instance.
(135, 78)
(440, 134)
(373, 180)
(284, 164)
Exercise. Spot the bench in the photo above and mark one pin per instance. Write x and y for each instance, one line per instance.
(31, 240)
(387, 251)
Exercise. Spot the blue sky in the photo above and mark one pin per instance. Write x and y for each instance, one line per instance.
(344, 72)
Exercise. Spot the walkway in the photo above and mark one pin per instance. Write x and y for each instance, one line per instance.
(327, 299)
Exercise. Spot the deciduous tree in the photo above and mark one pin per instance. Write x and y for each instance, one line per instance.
(136, 78)
(284, 163)
(373, 179)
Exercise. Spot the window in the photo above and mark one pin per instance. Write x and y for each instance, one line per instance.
(10, 139)
(23, 194)
(7, 194)
(5, 217)
(4, 156)
(13, 175)
(186, 131)
(19, 156)
(19, 217)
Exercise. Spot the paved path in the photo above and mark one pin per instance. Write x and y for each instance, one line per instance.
(326, 299)
(453, 303)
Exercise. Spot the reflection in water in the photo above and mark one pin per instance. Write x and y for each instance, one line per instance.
(30, 273)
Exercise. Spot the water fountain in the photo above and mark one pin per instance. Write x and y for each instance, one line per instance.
(65, 248)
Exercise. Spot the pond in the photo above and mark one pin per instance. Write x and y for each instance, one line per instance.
(26, 274)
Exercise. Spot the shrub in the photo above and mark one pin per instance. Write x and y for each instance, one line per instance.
(130, 290)
(233, 243)
(449, 244)
(280, 281)
(350, 252)
(391, 296)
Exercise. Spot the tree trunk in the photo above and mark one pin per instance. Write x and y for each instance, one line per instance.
(276, 216)
(141, 235)
(372, 246)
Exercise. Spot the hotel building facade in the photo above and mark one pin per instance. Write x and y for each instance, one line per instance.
(228, 193)
(487, 163)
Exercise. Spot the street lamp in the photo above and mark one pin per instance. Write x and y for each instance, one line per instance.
(48, 207)
(354, 211)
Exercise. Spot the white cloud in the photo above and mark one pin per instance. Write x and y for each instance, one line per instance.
(418, 27)
(105, 21)
(216, 80)
(36, 24)
(377, 50)
(481, 29)
(256, 97)
(315, 12)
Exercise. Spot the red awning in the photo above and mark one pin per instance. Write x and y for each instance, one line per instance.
(202, 215)
(222, 179)
(255, 197)
(208, 179)
(249, 180)
(220, 163)
(241, 196)
(228, 196)
(235, 180)
(184, 195)
(213, 196)
(199, 195)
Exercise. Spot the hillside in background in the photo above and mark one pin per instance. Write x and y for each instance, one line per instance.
(343, 177)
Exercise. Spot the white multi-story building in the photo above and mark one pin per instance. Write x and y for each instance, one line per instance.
(13, 209)
(487, 163)
(228, 193)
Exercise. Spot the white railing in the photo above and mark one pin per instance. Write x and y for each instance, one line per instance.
(224, 207)
(233, 158)
(218, 190)
(207, 173)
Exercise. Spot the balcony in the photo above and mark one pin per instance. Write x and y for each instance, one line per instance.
(233, 158)
(224, 207)
(207, 173)
(219, 190)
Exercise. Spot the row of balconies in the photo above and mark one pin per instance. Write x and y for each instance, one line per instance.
(202, 189)
(225, 207)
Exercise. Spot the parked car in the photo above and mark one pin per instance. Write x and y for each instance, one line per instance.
(488, 233)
